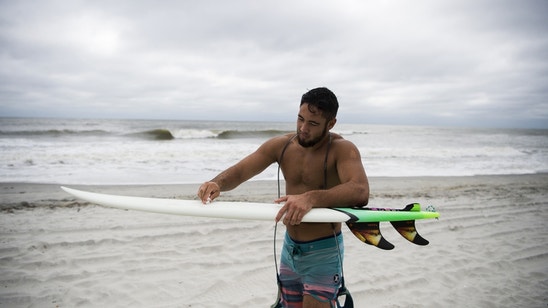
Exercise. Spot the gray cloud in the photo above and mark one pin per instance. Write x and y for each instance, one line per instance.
(469, 63)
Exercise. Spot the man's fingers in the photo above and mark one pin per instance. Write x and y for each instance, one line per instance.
(280, 200)
(296, 218)
(281, 213)
(290, 213)
(292, 218)
(208, 191)
(212, 195)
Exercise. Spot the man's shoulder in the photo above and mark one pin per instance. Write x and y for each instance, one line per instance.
(285, 138)
(338, 139)
(339, 142)
(278, 142)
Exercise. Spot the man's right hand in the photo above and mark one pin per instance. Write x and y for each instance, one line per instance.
(208, 192)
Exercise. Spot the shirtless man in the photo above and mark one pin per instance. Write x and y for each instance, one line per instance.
(321, 169)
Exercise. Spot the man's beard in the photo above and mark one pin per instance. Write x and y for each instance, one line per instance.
(313, 142)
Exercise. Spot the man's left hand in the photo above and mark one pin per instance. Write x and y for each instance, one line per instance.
(294, 209)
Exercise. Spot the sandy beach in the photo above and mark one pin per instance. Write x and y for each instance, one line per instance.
(488, 249)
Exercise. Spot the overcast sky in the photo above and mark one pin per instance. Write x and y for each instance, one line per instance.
(450, 62)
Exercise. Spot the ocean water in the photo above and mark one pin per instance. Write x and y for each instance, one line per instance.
(83, 151)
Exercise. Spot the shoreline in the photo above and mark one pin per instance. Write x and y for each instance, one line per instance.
(18, 195)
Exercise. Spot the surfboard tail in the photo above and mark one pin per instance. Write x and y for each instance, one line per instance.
(370, 233)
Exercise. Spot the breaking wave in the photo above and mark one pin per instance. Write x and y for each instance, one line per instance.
(149, 134)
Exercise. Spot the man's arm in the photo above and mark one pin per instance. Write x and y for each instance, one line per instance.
(248, 167)
(354, 187)
(352, 190)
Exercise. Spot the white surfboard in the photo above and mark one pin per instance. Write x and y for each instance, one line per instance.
(215, 209)
(363, 222)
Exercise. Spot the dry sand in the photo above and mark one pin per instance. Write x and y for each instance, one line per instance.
(488, 249)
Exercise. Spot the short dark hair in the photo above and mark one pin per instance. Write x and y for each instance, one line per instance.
(323, 99)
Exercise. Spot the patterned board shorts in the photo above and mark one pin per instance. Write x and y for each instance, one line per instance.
(311, 268)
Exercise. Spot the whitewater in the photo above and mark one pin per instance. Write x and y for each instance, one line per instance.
(107, 151)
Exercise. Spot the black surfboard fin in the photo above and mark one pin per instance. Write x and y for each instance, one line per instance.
(408, 231)
(369, 233)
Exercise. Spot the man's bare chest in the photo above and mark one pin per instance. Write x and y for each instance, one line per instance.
(306, 170)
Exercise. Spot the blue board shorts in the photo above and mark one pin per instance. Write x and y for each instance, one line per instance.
(311, 268)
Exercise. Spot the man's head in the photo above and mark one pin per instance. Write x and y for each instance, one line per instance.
(317, 115)
(322, 99)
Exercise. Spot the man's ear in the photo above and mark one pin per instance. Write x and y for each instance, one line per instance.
(331, 123)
